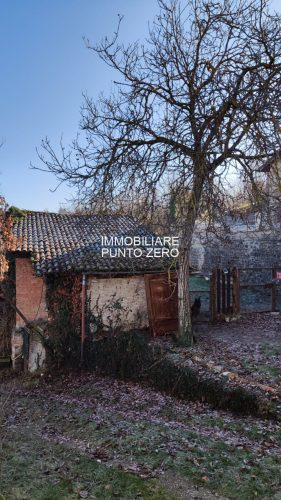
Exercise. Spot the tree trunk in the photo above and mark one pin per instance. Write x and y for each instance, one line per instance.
(185, 335)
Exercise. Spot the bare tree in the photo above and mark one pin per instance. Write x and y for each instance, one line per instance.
(200, 97)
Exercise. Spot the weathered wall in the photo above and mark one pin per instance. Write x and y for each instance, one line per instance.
(243, 249)
(30, 292)
(37, 354)
(121, 302)
(30, 300)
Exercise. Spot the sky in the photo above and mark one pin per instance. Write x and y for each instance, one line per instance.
(45, 69)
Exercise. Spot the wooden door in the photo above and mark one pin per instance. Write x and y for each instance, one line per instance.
(162, 302)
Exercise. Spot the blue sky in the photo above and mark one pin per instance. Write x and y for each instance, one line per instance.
(45, 67)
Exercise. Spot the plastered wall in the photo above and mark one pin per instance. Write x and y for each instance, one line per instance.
(121, 302)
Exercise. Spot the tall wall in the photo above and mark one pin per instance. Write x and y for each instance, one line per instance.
(240, 248)
(121, 302)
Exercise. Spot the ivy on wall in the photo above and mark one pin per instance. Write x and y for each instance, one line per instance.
(7, 274)
(63, 298)
(64, 291)
(7, 312)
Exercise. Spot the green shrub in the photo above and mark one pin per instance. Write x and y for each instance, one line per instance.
(62, 341)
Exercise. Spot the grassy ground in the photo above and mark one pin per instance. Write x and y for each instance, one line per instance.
(83, 436)
(34, 468)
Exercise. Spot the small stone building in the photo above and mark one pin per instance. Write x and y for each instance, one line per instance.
(98, 247)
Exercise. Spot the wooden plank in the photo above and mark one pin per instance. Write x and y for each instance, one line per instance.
(236, 291)
(213, 295)
(228, 291)
(241, 269)
(148, 300)
(223, 290)
(256, 285)
(218, 291)
(238, 295)
(273, 291)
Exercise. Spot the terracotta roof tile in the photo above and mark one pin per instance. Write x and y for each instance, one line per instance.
(60, 242)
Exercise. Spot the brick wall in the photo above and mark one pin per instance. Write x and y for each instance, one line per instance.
(30, 292)
(121, 301)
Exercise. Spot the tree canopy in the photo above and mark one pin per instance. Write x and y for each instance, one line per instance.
(202, 93)
(201, 96)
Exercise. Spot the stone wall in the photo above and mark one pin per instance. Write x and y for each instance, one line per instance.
(120, 302)
(247, 248)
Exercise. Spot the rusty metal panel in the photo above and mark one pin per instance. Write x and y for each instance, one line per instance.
(162, 302)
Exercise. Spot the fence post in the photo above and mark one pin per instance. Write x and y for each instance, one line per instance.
(213, 295)
(228, 291)
(273, 291)
(236, 291)
(218, 294)
(223, 308)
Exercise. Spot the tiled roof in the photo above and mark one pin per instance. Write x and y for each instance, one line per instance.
(59, 243)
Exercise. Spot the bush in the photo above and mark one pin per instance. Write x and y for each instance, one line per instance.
(62, 341)
(126, 355)
(131, 356)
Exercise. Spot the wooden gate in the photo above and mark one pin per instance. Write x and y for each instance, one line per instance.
(224, 293)
(162, 298)
(162, 302)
